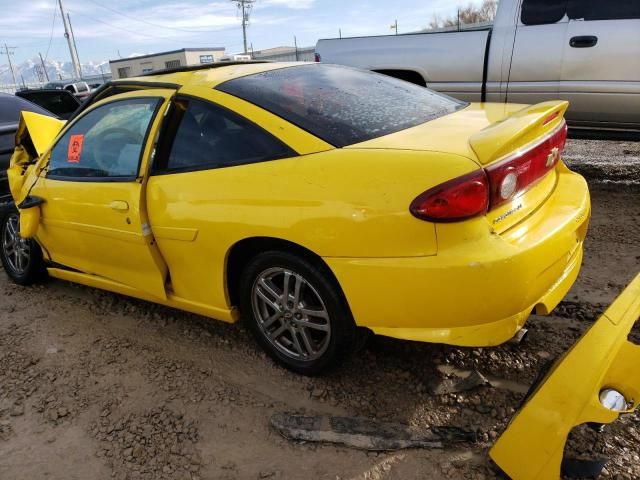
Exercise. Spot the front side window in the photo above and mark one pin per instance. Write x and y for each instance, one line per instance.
(541, 12)
(201, 135)
(341, 105)
(107, 142)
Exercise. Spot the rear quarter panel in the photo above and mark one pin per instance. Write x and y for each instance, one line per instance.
(336, 203)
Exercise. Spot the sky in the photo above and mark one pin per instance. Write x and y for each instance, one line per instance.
(113, 29)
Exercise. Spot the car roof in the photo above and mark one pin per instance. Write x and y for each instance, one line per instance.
(11, 106)
(210, 75)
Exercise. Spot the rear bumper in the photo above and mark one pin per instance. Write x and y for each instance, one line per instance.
(568, 396)
(481, 287)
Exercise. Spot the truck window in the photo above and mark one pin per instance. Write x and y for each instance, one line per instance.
(540, 12)
(341, 105)
(599, 10)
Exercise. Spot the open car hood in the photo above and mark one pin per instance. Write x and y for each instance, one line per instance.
(41, 129)
(34, 137)
(533, 443)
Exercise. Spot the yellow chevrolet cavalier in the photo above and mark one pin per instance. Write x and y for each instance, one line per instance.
(312, 200)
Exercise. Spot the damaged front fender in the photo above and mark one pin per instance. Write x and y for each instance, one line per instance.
(34, 137)
(532, 445)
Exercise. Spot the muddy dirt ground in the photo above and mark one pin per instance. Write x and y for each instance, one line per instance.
(99, 386)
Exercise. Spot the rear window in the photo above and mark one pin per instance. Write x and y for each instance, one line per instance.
(540, 12)
(341, 105)
(11, 106)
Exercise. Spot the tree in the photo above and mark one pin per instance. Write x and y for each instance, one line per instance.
(468, 15)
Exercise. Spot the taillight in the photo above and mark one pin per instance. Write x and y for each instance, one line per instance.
(517, 172)
(477, 192)
(317, 57)
(458, 199)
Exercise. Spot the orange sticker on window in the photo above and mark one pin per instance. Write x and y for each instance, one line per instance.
(75, 148)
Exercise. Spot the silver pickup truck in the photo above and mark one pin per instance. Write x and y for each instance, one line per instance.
(584, 51)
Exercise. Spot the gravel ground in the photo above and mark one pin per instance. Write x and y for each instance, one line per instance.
(96, 385)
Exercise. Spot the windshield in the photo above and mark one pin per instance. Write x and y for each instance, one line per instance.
(341, 105)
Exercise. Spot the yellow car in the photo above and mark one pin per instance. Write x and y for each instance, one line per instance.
(313, 200)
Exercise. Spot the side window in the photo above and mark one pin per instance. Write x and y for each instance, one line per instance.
(603, 10)
(106, 142)
(201, 135)
(540, 12)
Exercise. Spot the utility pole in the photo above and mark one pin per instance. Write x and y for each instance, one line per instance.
(295, 43)
(75, 47)
(74, 56)
(245, 7)
(9, 53)
(44, 68)
(394, 26)
(340, 32)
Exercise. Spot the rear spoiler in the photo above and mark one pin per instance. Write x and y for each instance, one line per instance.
(517, 130)
(532, 446)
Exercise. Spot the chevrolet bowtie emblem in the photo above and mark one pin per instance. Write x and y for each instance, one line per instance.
(552, 157)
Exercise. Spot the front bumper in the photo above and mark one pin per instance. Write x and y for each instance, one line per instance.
(532, 445)
(481, 286)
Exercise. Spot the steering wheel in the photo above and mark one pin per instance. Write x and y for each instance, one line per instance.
(109, 144)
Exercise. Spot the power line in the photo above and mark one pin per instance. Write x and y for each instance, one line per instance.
(53, 22)
(156, 24)
(131, 31)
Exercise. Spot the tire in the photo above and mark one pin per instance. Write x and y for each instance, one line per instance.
(310, 333)
(21, 258)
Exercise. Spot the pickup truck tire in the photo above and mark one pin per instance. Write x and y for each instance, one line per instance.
(295, 310)
(21, 258)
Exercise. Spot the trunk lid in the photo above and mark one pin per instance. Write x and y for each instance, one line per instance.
(492, 135)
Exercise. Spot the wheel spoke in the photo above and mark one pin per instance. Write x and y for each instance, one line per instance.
(315, 326)
(11, 227)
(268, 295)
(296, 292)
(296, 342)
(307, 341)
(271, 290)
(314, 313)
(285, 286)
(277, 332)
(269, 321)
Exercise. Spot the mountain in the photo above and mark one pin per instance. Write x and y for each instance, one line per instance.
(29, 70)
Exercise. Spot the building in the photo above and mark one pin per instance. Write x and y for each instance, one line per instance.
(135, 66)
(285, 54)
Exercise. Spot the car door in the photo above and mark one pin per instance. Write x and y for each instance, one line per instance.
(601, 67)
(200, 175)
(94, 216)
(536, 59)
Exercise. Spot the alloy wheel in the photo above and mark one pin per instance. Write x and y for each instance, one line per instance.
(291, 314)
(17, 250)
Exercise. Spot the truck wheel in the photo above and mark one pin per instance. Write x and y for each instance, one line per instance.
(21, 257)
(296, 312)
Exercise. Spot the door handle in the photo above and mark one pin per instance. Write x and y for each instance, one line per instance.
(583, 41)
(119, 205)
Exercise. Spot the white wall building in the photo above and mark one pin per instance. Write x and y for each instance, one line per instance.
(135, 66)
